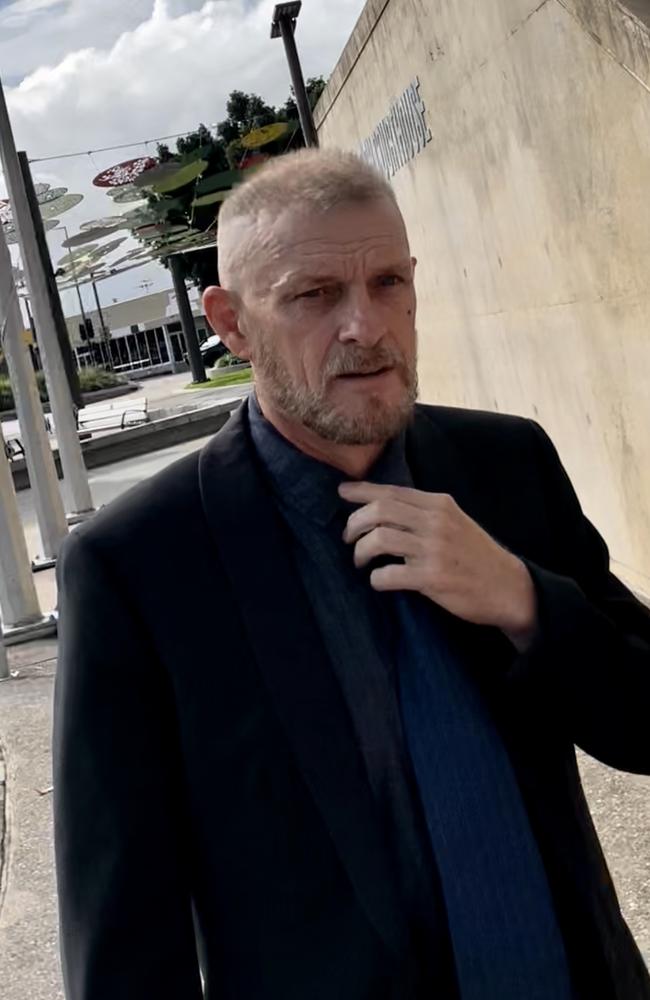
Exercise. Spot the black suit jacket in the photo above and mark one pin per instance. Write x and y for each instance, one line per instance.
(206, 775)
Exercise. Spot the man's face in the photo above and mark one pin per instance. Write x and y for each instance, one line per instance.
(329, 314)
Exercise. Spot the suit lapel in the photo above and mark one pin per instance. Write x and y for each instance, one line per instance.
(435, 463)
(291, 657)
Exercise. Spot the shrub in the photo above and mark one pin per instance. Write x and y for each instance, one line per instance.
(6, 395)
(227, 360)
(90, 379)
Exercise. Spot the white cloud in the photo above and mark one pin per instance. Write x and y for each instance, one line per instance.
(18, 14)
(164, 75)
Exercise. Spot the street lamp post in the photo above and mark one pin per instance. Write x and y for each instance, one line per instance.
(283, 26)
(74, 470)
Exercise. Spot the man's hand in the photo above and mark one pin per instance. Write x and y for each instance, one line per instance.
(447, 557)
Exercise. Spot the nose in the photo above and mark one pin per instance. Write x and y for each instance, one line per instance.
(359, 322)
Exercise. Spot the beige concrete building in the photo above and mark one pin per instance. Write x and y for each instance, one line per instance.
(145, 334)
(517, 136)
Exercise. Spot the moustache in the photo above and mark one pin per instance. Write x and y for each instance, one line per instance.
(363, 361)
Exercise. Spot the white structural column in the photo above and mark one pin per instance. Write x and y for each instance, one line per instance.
(18, 599)
(43, 478)
(77, 490)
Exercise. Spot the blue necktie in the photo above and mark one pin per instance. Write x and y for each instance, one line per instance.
(506, 940)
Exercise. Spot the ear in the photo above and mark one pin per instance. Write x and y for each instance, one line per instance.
(221, 309)
(414, 262)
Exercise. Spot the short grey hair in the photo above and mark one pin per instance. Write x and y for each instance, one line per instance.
(314, 180)
(319, 179)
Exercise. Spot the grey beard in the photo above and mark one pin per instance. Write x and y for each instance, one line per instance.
(312, 410)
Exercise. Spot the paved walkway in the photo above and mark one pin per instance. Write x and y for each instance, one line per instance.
(29, 963)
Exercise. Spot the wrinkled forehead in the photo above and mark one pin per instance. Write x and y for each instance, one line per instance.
(276, 248)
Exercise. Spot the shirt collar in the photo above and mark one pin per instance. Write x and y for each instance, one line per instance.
(308, 485)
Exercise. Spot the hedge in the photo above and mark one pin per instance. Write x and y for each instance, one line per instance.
(90, 379)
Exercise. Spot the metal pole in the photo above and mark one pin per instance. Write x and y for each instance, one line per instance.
(287, 30)
(63, 338)
(18, 600)
(38, 453)
(187, 320)
(74, 470)
(76, 283)
(106, 335)
(102, 324)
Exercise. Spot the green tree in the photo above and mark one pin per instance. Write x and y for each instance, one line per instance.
(314, 86)
(195, 140)
(223, 151)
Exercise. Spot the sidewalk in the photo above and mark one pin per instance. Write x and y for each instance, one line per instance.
(29, 963)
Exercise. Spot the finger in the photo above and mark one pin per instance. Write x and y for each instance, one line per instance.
(397, 576)
(385, 542)
(367, 492)
(385, 513)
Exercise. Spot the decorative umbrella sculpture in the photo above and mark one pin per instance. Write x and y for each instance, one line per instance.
(109, 222)
(155, 174)
(125, 195)
(51, 195)
(222, 181)
(209, 199)
(106, 248)
(77, 256)
(159, 229)
(185, 175)
(171, 176)
(138, 254)
(267, 133)
(79, 239)
(124, 173)
(60, 205)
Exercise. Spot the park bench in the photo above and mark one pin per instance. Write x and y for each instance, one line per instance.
(14, 449)
(102, 417)
(12, 437)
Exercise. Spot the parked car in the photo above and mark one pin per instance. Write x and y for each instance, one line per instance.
(211, 350)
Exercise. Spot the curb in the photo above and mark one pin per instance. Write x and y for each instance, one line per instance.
(144, 438)
(88, 397)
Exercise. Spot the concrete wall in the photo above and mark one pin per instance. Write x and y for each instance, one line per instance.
(529, 212)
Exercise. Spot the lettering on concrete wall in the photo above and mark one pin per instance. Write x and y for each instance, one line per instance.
(401, 135)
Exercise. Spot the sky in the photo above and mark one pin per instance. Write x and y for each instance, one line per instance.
(85, 74)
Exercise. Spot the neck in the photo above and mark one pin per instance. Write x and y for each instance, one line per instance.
(353, 459)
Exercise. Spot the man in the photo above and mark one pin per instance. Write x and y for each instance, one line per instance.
(320, 684)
